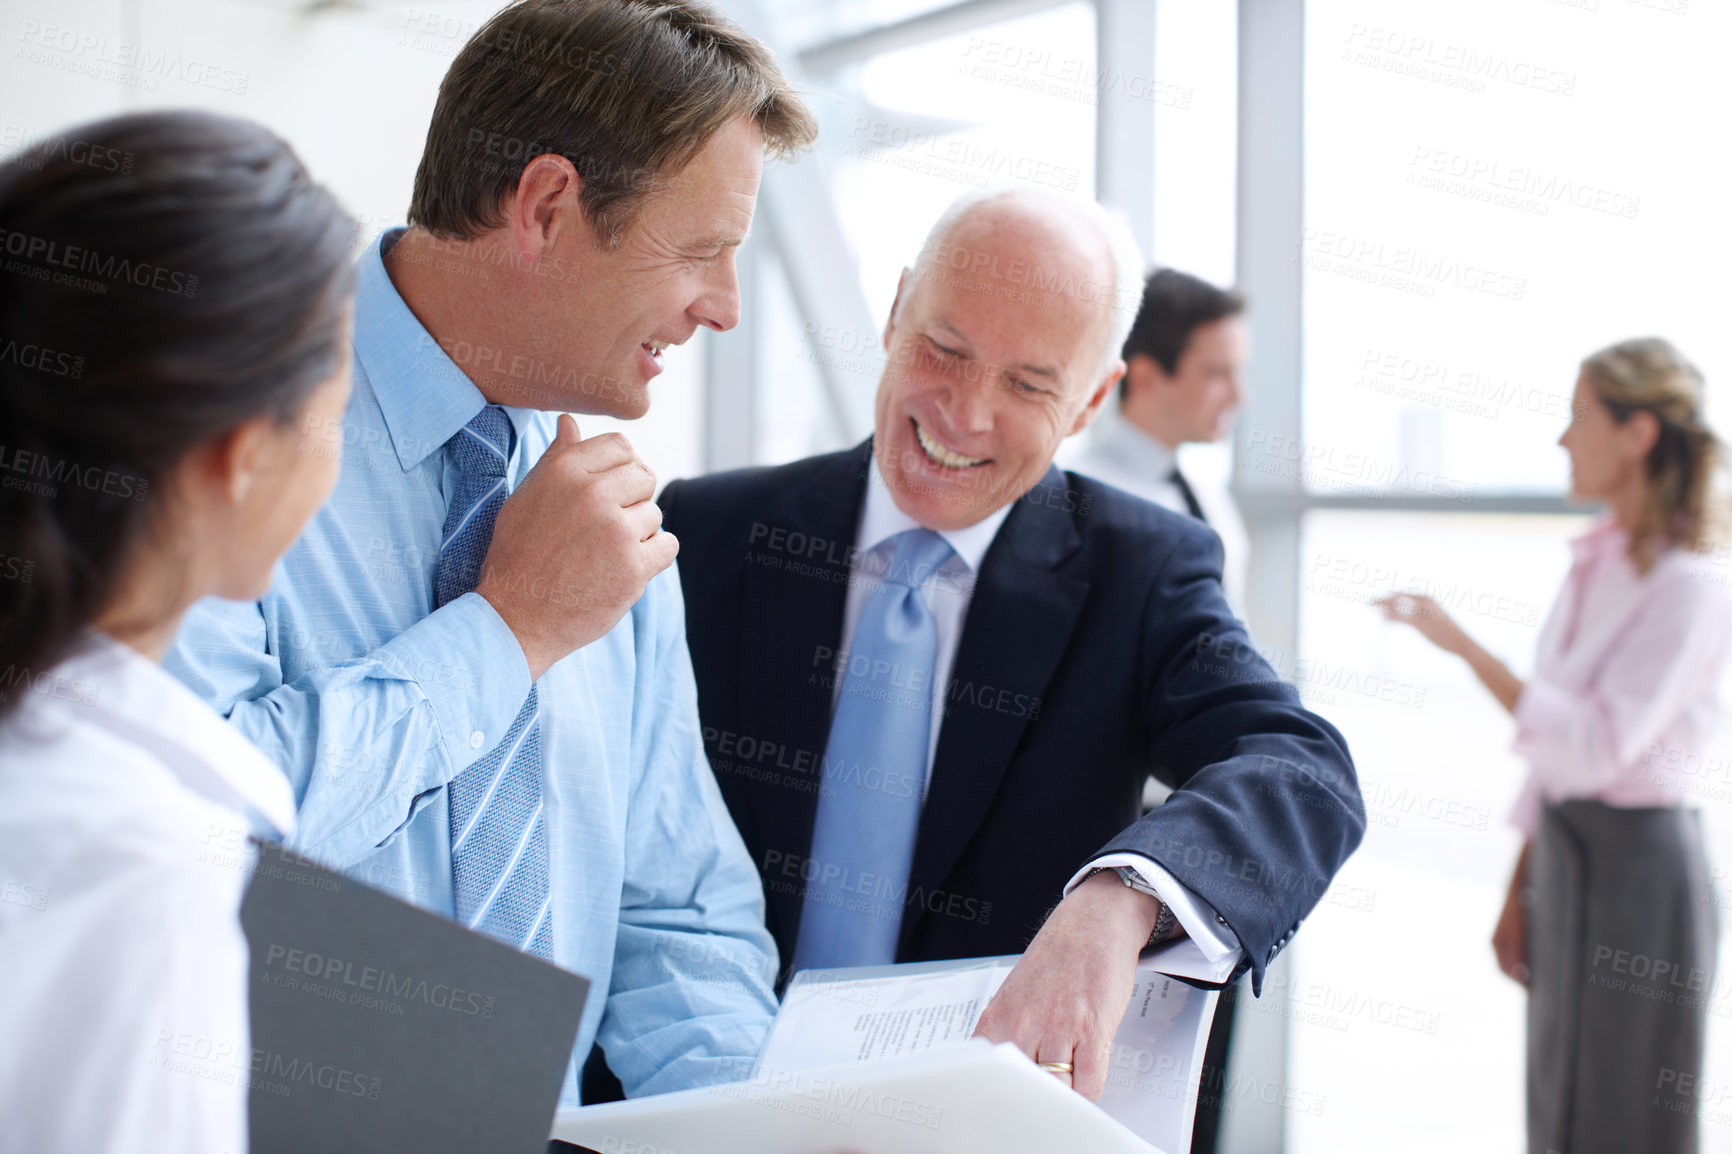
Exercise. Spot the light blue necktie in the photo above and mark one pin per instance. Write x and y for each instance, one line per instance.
(499, 864)
(874, 773)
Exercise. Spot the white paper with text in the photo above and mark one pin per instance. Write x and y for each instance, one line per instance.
(887, 1012)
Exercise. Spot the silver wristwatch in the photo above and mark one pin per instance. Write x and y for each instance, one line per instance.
(1166, 922)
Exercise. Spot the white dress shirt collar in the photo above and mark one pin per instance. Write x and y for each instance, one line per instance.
(114, 686)
(1130, 447)
(883, 519)
(948, 593)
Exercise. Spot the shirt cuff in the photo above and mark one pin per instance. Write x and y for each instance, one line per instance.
(472, 670)
(1541, 712)
(1525, 814)
(1213, 936)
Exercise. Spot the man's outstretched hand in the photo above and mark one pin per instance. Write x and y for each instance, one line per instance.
(1064, 1000)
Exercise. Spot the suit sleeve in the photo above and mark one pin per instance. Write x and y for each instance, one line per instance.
(1266, 804)
(666, 500)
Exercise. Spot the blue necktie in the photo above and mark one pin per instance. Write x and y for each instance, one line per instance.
(499, 864)
(874, 774)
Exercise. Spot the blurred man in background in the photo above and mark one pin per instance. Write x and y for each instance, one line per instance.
(1183, 383)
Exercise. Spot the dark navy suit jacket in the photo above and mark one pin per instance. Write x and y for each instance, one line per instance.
(1098, 649)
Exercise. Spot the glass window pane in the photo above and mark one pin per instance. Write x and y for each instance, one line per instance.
(802, 24)
(1196, 137)
(1400, 1021)
(1494, 190)
(1008, 103)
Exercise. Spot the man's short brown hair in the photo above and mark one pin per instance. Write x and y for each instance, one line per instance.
(627, 90)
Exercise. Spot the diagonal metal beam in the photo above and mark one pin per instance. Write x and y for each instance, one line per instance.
(825, 278)
(799, 212)
(953, 20)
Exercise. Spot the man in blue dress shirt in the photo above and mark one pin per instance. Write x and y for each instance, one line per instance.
(472, 667)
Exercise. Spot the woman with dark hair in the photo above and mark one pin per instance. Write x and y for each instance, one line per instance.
(1624, 690)
(173, 373)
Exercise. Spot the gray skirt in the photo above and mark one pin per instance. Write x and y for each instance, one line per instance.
(1620, 946)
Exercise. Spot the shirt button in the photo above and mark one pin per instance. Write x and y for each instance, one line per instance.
(475, 740)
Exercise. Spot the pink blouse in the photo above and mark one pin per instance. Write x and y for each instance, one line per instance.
(1625, 688)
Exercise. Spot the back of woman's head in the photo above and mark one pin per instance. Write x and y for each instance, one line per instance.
(183, 277)
(1649, 375)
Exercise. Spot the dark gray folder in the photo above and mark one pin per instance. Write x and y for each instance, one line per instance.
(380, 1026)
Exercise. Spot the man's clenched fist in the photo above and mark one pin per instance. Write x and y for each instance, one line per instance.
(575, 545)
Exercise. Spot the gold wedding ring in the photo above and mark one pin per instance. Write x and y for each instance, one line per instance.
(1056, 1067)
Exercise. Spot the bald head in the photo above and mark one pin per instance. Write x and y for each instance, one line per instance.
(1003, 341)
(1020, 244)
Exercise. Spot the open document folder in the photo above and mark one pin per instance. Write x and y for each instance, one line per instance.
(879, 1060)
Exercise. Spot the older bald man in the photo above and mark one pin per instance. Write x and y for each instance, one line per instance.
(935, 671)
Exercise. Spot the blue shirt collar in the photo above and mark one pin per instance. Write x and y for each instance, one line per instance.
(424, 396)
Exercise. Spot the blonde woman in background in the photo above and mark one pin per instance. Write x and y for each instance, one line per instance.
(1610, 919)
